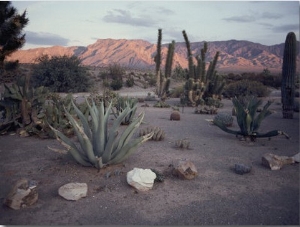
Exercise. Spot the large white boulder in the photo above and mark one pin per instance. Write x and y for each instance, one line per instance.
(141, 179)
(73, 191)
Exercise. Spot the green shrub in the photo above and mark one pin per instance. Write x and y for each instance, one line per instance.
(245, 88)
(61, 74)
(129, 82)
(116, 84)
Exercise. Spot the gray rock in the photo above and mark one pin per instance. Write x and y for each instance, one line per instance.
(241, 169)
(275, 162)
(141, 179)
(73, 191)
(185, 170)
(23, 194)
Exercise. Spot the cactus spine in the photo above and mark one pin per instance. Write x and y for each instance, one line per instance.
(163, 81)
(288, 76)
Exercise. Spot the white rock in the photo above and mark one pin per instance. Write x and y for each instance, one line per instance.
(141, 179)
(73, 191)
(296, 157)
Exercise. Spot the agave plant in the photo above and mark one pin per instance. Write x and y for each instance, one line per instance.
(100, 146)
(247, 119)
(121, 104)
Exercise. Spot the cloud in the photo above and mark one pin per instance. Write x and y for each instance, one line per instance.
(286, 28)
(268, 15)
(240, 19)
(124, 17)
(45, 38)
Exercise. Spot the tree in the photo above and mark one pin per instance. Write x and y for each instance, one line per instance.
(61, 74)
(11, 26)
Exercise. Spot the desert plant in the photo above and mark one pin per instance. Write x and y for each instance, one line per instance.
(61, 74)
(225, 118)
(201, 83)
(245, 88)
(163, 80)
(121, 104)
(129, 81)
(182, 143)
(248, 121)
(158, 133)
(288, 76)
(99, 145)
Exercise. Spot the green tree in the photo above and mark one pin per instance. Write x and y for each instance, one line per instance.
(11, 26)
(61, 74)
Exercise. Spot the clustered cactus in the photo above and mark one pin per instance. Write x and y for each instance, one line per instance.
(288, 75)
(224, 118)
(201, 83)
(158, 133)
(182, 143)
(98, 145)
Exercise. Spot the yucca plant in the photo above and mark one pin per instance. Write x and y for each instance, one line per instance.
(247, 119)
(100, 146)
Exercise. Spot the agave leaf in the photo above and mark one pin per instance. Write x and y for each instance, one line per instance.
(84, 141)
(127, 134)
(83, 120)
(106, 156)
(100, 133)
(262, 115)
(71, 147)
(129, 148)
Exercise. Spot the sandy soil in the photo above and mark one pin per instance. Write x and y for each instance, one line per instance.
(217, 196)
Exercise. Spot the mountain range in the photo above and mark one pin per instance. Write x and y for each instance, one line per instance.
(235, 55)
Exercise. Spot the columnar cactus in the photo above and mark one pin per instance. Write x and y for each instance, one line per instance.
(163, 81)
(201, 83)
(288, 76)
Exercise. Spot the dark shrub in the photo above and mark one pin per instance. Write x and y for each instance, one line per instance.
(61, 74)
(116, 84)
(245, 88)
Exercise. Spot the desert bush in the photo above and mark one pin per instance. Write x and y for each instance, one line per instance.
(129, 81)
(61, 74)
(116, 84)
(245, 88)
(177, 91)
(179, 73)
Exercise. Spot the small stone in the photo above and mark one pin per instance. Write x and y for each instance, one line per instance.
(296, 157)
(73, 191)
(241, 169)
(275, 162)
(141, 179)
(23, 194)
(175, 116)
(185, 170)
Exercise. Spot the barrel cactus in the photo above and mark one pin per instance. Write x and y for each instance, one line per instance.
(288, 76)
(225, 118)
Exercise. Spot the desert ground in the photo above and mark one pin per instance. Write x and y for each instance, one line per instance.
(217, 196)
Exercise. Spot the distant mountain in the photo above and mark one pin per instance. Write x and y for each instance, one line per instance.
(235, 55)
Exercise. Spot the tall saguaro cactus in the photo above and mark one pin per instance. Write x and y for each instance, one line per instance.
(163, 81)
(288, 76)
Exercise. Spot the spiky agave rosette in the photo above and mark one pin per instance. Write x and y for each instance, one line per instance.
(98, 145)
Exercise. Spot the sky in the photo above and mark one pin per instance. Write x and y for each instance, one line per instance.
(82, 23)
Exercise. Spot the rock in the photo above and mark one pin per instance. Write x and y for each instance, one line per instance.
(241, 169)
(296, 157)
(185, 170)
(23, 194)
(275, 162)
(175, 116)
(73, 191)
(141, 179)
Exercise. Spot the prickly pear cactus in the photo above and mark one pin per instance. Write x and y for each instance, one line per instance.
(158, 135)
(224, 118)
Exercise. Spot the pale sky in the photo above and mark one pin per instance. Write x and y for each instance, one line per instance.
(81, 23)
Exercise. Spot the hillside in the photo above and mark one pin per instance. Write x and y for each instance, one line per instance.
(138, 54)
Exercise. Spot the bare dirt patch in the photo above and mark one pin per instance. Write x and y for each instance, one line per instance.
(217, 196)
